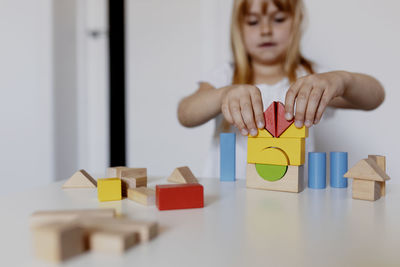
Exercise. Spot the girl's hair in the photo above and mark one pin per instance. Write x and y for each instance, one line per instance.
(243, 73)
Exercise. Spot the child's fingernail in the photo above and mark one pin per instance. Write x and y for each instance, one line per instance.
(316, 121)
(253, 132)
(244, 132)
(298, 124)
(260, 124)
(308, 123)
(288, 116)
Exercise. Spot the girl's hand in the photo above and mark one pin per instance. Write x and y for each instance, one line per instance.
(312, 95)
(242, 106)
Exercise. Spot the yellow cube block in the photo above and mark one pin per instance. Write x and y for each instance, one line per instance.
(294, 132)
(276, 150)
(109, 189)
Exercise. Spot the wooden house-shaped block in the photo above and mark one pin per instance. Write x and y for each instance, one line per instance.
(369, 178)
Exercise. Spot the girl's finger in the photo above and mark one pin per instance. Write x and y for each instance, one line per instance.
(234, 109)
(227, 113)
(325, 99)
(301, 105)
(290, 99)
(256, 101)
(312, 105)
(248, 115)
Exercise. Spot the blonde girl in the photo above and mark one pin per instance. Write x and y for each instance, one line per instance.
(268, 66)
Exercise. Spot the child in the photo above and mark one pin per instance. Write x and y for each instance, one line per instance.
(268, 66)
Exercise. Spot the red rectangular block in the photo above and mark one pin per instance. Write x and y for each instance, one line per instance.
(179, 196)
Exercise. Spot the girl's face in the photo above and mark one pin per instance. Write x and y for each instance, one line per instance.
(266, 32)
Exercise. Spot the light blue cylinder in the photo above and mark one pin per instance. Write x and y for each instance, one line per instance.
(317, 170)
(338, 167)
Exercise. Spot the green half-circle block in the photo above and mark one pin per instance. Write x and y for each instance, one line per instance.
(271, 172)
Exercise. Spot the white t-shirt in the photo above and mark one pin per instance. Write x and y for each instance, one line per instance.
(221, 77)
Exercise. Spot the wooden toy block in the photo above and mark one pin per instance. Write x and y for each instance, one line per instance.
(115, 171)
(80, 179)
(338, 166)
(367, 169)
(381, 161)
(123, 171)
(258, 150)
(317, 170)
(366, 190)
(132, 182)
(40, 218)
(369, 178)
(227, 156)
(292, 181)
(270, 119)
(114, 242)
(134, 173)
(294, 132)
(109, 189)
(281, 123)
(145, 230)
(182, 196)
(142, 195)
(57, 242)
(262, 133)
(182, 175)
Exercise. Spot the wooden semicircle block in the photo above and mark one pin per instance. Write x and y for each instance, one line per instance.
(276, 156)
(80, 179)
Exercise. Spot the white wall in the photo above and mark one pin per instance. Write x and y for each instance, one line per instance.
(171, 43)
(26, 117)
(360, 36)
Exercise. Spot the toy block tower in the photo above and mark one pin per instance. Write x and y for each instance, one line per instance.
(275, 157)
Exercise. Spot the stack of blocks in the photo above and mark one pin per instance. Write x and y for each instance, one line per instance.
(276, 155)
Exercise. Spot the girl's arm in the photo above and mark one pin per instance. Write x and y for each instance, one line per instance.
(340, 89)
(241, 106)
(201, 106)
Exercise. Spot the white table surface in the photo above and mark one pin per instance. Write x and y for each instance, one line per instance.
(237, 227)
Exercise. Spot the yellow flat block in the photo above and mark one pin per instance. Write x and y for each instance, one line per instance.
(262, 133)
(109, 189)
(294, 132)
(275, 150)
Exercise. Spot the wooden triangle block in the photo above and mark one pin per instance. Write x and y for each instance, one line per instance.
(80, 179)
(281, 123)
(270, 119)
(182, 175)
(367, 169)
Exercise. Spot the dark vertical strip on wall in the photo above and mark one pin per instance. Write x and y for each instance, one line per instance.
(116, 18)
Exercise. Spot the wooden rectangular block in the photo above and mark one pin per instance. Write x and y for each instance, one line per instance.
(143, 195)
(115, 171)
(39, 218)
(145, 230)
(132, 182)
(180, 196)
(134, 172)
(366, 190)
(109, 189)
(292, 181)
(114, 242)
(227, 156)
(258, 150)
(57, 242)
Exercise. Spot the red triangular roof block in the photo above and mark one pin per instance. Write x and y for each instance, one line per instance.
(282, 123)
(275, 122)
(270, 119)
